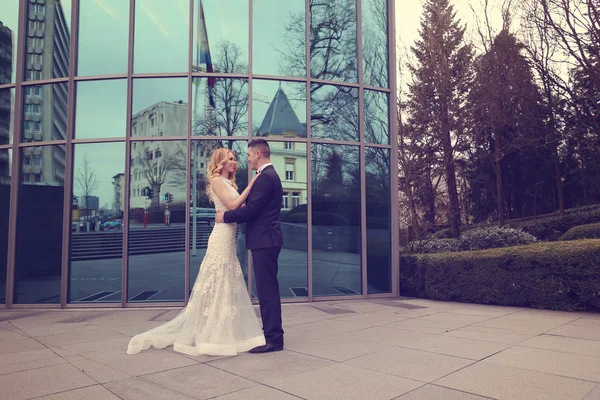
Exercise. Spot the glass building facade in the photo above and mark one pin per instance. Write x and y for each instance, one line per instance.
(110, 111)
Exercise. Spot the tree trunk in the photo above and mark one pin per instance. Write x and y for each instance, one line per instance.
(499, 185)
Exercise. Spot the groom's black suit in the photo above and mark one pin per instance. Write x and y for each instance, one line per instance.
(265, 239)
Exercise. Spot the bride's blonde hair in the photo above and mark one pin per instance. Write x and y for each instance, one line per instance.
(215, 166)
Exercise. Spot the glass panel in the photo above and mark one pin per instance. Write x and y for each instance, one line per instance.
(48, 39)
(221, 36)
(101, 110)
(204, 209)
(161, 36)
(279, 37)
(220, 107)
(40, 224)
(45, 112)
(159, 107)
(336, 220)
(377, 125)
(106, 25)
(334, 112)
(7, 101)
(9, 29)
(375, 42)
(157, 243)
(333, 43)
(379, 217)
(279, 109)
(96, 248)
(5, 175)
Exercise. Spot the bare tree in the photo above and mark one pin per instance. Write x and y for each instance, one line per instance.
(86, 182)
(159, 164)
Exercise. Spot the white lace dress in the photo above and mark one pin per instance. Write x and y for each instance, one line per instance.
(219, 318)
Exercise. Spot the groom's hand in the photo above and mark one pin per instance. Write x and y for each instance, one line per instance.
(219, 217)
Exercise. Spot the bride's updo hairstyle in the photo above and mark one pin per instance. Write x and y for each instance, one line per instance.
(215, 166)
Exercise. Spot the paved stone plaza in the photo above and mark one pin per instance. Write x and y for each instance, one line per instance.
(403, 349)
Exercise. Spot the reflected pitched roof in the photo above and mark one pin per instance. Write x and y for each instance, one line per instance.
(281, 118)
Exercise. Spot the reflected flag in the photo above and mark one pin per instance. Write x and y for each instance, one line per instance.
(203, 51)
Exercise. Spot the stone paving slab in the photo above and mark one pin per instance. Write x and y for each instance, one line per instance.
(406, 349)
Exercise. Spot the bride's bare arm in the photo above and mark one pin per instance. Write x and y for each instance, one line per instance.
(220, 190)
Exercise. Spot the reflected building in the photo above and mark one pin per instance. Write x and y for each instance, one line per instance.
(287, 157)
(119, 194)
(45, 107)
(6, 99)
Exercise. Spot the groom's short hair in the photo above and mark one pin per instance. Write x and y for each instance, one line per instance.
(262, 146)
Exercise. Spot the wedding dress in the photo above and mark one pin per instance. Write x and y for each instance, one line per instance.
(219, 318)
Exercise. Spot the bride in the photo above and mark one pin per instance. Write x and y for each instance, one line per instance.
(219, 319)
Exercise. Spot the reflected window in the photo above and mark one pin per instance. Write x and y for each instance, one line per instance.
(375, 42)
(161, 28)
(45, 112)
(279, 37)
(157, 221)
(49, 41)
(379, 216)
(334, 112)
(336, 233)
(110, 96)
(220, 107)
(285, 203)
(6, 116)
(221, 36)
(96, 246)
(166, 96)
(106, 25)
(377, 118)
(333, 42)
(9, 28)
(40, 225)
(289, 170)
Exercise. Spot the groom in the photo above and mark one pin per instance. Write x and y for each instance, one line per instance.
(263, 236)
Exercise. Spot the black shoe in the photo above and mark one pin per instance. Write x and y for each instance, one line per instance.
(267, 348)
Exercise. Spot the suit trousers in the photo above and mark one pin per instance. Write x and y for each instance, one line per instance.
(265, 272)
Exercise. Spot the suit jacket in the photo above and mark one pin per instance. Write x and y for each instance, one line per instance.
(262, 212)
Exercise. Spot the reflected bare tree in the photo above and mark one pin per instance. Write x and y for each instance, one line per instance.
(161, 164)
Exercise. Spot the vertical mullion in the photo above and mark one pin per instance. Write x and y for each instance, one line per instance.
(395, 225)
(309, 252)
(125, 266)
(186, 273)
(16, 173)
(249, 263)
(69, 159)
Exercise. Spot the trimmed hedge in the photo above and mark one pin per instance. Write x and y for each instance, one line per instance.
(558, 276)
(589, 231)
(553, 227)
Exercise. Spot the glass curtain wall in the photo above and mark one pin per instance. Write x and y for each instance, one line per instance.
(110, 112)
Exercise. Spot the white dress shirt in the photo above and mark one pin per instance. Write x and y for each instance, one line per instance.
(263, 167)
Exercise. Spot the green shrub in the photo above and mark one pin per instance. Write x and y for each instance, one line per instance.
(559, 276)
(589, 231)
(553, 227)
(492, 238)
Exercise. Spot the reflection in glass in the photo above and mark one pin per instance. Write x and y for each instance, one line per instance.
(44, 113)
(375, 43)
(7, 98)
(379, 261)
(159, 107)
(334, 112)
(106, 25)
(161, 36)
(5, 175)
(279, 108)
(96, 248)
(278, 37)
(220, 107)
(40, 224)
(221, 36)
(157, 221)
(48, 39)
(101, 109)
(9, 28)
(377, 120)
(336, 214)
(333, 43)
(204, 210)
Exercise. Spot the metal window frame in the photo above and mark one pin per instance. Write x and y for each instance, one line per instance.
(71, 141)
